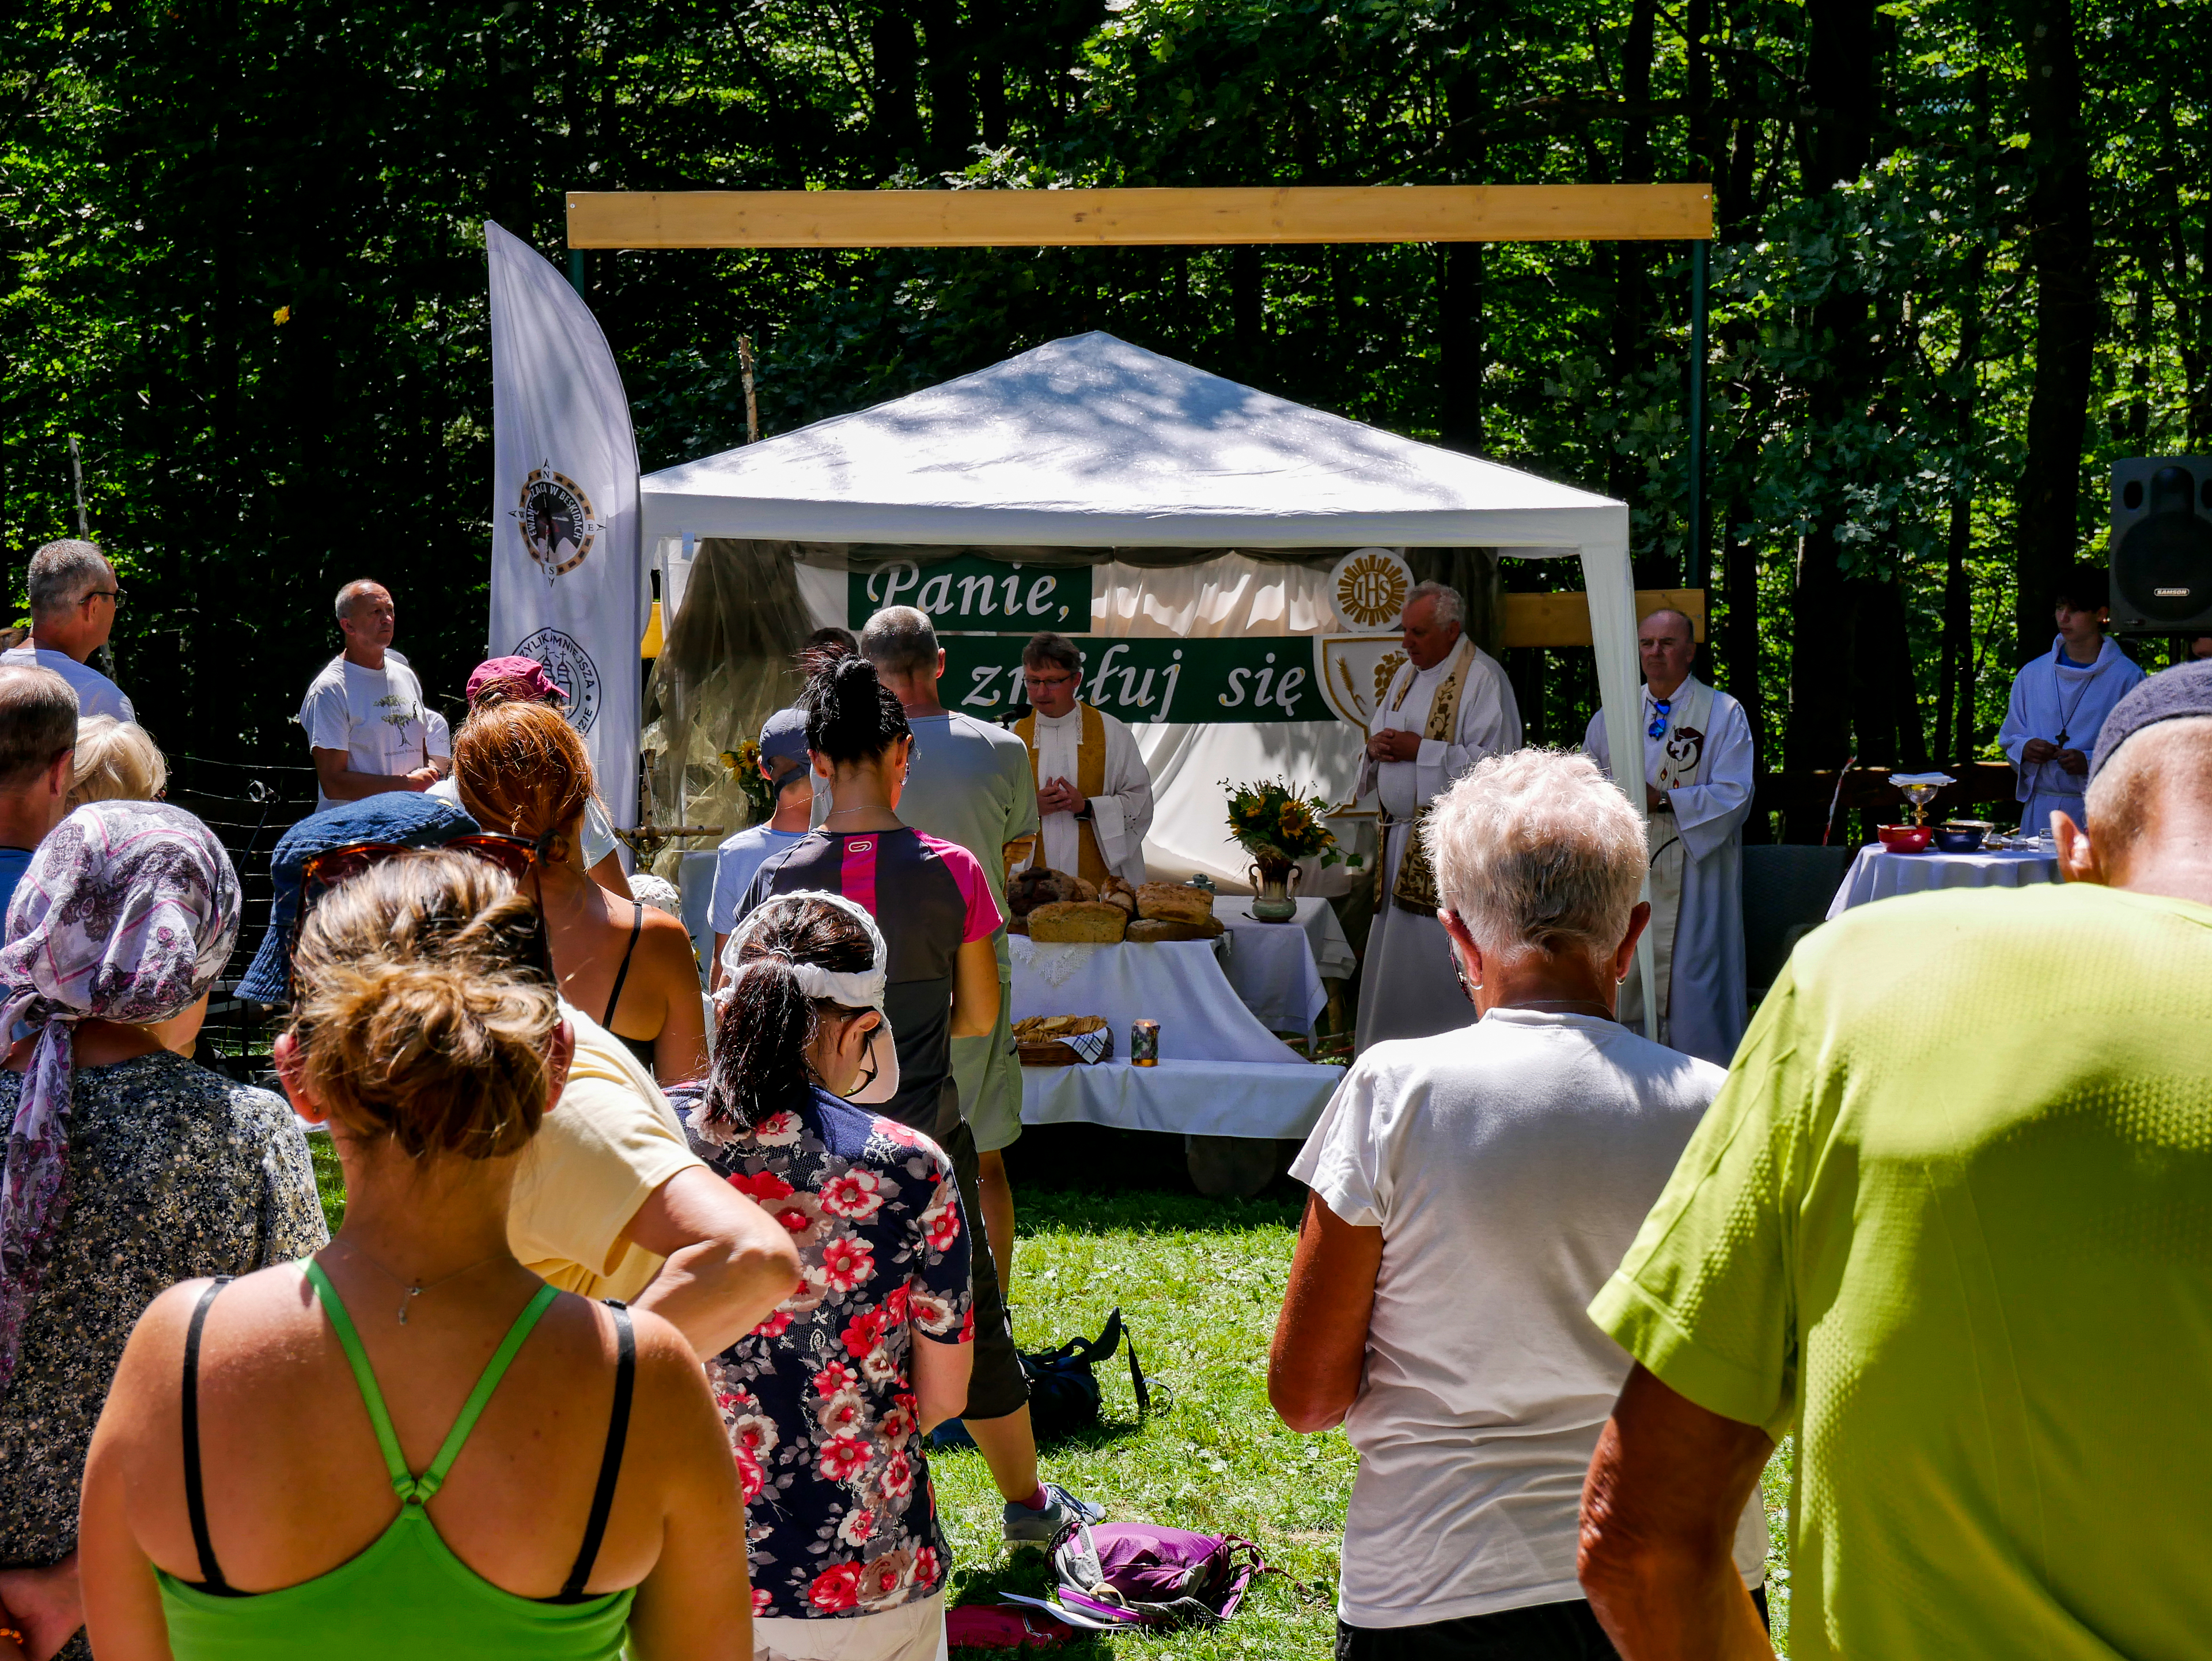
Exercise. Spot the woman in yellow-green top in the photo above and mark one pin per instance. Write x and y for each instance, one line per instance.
(408, 1446)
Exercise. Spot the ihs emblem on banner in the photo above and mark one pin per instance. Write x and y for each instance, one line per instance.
(557, 522)
(1370, 588)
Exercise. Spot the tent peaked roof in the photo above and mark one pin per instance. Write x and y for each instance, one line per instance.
(1091, 441)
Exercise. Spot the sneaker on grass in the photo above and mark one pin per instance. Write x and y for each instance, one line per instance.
(1025, 1527)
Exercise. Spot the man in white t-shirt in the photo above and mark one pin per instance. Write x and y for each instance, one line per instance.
(367, 727)
(1471, 1191)
(74, 599)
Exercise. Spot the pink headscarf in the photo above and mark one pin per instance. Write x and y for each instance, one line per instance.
(127, 913)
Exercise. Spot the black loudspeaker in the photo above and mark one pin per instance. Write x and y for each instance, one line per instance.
(2161, 546)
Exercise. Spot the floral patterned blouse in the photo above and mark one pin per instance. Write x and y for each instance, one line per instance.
(818, 1399)
(173, 1172)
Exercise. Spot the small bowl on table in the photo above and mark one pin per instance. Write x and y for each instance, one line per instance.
(1962, 835)
(1905, 839)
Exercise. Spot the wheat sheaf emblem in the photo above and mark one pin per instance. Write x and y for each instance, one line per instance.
(1371, 591)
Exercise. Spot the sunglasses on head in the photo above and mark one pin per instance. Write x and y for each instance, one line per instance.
(320, 873)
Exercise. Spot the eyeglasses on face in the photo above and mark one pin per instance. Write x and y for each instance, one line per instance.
(111, 594)
(1048, 680)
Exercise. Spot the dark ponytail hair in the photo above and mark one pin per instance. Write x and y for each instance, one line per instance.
(765, 1027)
(851, 716)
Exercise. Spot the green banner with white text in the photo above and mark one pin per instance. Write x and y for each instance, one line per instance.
(1254, 678)
(969, 591)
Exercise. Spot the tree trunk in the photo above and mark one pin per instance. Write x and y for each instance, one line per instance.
(1823, 609)
(2063, 249)
(1630, 356)
(894, 120)
(1248, 309)
(987, 23)
(951, 88)
(1461, 335)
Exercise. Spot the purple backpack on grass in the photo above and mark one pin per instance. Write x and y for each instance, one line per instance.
(1141, 1575)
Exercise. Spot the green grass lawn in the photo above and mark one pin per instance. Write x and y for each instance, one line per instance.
(1198, 1282)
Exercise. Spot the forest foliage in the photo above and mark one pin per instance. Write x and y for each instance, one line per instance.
(1964, 258)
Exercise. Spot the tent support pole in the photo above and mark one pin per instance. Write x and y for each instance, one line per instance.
(1693, 542)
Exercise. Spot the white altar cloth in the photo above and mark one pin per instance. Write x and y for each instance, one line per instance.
(1193, 1097)
(1277, 967)
(1178, 983)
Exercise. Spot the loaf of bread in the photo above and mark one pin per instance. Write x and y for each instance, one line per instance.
(1018, 925)
(1084, 922)
(1174, 902)
(1035, 886)
(1115, 891)
(1151, 930)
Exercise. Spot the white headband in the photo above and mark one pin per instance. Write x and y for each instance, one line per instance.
(858, 989)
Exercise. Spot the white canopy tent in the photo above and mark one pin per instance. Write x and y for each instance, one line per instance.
(1089, 442)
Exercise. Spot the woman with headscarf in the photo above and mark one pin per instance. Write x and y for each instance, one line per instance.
(128, 1167)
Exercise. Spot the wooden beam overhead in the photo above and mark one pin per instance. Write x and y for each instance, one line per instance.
(1562, 618)
(1130, 218)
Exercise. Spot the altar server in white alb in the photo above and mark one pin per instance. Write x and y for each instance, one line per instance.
(1447, 706)
(1697, 780)
(1094, 793)
(2059, 702)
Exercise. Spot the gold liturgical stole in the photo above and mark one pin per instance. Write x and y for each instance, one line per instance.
(1090, 779)
(1416, 887)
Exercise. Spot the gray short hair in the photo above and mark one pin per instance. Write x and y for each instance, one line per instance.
(352, 592)
(1450, 608)
(1057, 650)
(61, 572)
(900, 641)
(1539, 848)
(38, 723)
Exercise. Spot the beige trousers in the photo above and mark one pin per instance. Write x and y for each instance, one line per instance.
(912, 1631)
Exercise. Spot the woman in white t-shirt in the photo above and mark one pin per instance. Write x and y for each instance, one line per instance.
(1471, 1192)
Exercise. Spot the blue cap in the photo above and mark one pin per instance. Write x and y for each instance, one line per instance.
(407, 817)
(783, 741)
(2175, 694)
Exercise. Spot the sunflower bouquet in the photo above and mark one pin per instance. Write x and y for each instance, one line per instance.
(1274, 823)
(744, 765)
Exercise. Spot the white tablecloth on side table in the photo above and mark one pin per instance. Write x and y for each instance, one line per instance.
(1877, 874)
(1196, 1098)
(1277, 967)
(1221, 1073)
(1178, 983)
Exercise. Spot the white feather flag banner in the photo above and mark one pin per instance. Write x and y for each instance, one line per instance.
(566, 587)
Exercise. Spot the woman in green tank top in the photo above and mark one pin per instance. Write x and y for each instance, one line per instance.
(409, 1446)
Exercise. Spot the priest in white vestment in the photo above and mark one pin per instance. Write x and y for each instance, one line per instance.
(1698, 781)
(1094, 792)
(1447, 706)
(2059, 702)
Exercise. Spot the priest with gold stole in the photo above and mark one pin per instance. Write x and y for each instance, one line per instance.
(1447, 706)
(1697, 783)
(1094, 795)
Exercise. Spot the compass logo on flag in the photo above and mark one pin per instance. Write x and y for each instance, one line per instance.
(557, 521)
